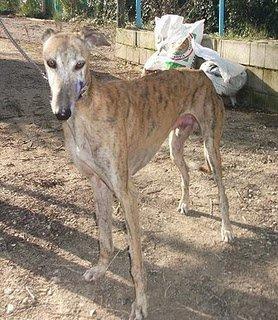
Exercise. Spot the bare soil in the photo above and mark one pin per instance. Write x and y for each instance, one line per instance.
(48, 234)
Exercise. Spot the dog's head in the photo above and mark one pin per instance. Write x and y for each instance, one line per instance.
(66, 59)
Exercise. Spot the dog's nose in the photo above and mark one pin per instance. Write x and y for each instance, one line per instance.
(64, 114)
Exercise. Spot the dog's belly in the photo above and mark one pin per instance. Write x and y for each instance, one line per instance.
(142, 158)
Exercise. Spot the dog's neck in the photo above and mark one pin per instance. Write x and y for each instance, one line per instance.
(91, 87)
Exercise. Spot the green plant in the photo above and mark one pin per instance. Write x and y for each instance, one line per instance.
(252, 17)
(153, 8)
(244, 18)
(9, 6)
(98, 10)
(31, 8)
(247, 32)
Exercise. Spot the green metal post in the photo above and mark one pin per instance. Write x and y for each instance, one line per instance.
(138, 17)
(58, 6)
(221, 17)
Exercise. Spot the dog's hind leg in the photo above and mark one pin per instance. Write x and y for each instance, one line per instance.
(206, 166)
(212, 135)
(177, 138)
(103, 202)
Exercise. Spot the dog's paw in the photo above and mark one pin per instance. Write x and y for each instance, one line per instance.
(95, 273)
(139, 310)
(183, 208)
(227, 235)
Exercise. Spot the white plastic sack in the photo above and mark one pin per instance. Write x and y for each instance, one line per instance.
(227, 77)
(228, 88)
(173, 40)
(227, 68)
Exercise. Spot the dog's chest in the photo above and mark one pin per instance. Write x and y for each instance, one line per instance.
(84, 149)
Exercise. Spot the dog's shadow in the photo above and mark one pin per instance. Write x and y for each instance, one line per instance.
(257, 230)
(176, 291)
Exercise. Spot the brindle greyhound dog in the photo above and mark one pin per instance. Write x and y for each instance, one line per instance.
(114, 129)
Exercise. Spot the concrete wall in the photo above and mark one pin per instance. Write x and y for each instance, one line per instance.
(260, 58)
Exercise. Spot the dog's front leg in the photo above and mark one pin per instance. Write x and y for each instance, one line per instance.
(103, 202)
(129, 203)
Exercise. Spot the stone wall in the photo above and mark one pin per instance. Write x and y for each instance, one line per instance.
(259, 57)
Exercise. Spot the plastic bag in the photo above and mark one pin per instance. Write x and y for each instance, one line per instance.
(173, 40)
(227, 77)
(227, 68)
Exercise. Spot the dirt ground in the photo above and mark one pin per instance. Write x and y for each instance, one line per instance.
(48, 234)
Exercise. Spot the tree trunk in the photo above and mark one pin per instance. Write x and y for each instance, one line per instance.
(43, 7)
(121, 13)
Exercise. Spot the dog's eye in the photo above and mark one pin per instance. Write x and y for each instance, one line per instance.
(52, 63)
(79, 65)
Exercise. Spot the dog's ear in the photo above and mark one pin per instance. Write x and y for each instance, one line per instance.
(47, 34)
(93, 38)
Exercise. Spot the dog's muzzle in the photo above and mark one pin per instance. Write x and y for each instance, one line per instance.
(64, 114)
